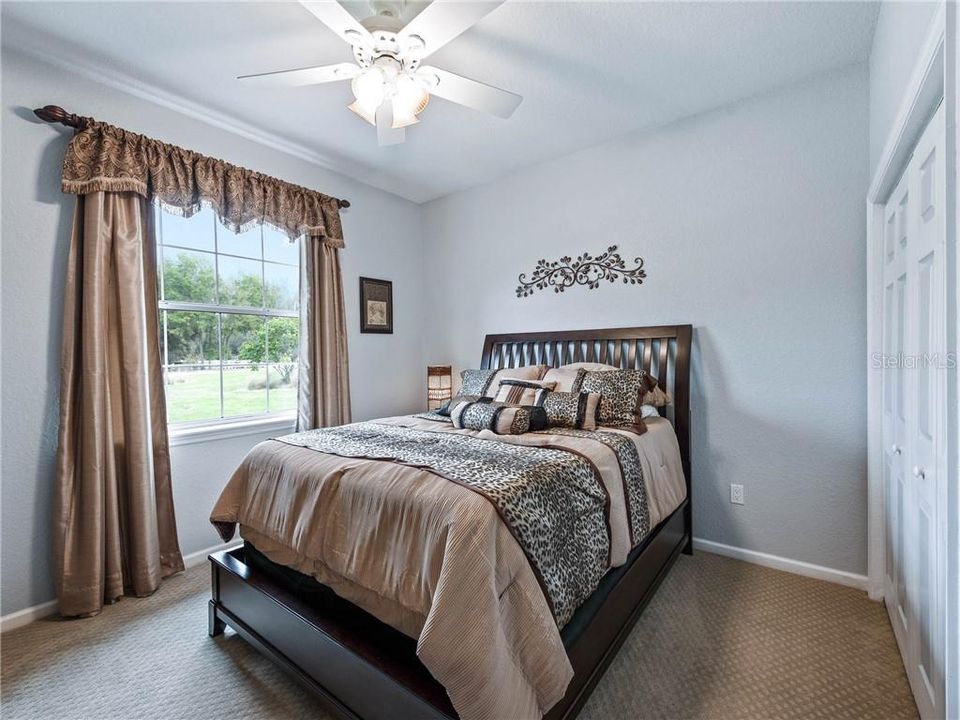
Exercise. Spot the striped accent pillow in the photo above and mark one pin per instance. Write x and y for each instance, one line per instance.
(521, 392)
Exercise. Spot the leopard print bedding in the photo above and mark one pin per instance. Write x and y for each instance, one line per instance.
(634, 486)
(552, 500)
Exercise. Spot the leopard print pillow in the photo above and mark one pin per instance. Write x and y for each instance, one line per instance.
(620, 392)
(475, 382)
(570, 409)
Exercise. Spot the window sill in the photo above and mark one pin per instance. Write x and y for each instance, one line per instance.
(231, 429)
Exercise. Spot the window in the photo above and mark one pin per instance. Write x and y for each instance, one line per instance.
(229, 319)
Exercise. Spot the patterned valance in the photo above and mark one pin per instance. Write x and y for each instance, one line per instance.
(102, 157)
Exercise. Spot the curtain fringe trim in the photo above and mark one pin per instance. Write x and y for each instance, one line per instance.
(108, 184)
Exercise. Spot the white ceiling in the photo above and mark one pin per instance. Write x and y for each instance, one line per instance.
(588, 72)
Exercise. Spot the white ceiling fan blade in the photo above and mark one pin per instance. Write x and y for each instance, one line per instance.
(303, 76)
(440, 22)
(335, 16)
(386, 133)
(473, 94)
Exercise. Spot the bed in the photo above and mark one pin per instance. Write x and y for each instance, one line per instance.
(358, 599)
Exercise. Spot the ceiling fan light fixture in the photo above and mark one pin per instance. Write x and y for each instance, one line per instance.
(409, 100)
(366, 113)
(370, 89)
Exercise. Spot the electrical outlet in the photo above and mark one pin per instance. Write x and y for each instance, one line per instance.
(736, 494)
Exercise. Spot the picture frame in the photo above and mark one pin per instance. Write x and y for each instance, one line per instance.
(376, 306)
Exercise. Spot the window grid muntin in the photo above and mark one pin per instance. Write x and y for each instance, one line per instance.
(218, 309)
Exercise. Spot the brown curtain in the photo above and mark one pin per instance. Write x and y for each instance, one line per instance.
(115, 528)
(324, 388)
(115, 531)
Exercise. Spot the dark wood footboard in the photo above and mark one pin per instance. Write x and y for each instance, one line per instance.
(362, 668)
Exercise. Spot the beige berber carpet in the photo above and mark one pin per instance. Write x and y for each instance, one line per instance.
(722, 639)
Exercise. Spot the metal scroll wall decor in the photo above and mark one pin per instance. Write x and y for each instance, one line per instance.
(585, 270)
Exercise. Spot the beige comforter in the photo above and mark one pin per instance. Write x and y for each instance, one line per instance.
(433, 558)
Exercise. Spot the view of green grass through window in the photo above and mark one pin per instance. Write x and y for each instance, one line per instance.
(229, 318)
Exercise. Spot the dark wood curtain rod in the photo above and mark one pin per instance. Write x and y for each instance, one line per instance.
(56, 114)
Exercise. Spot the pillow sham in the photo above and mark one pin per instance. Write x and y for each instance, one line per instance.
(589, 366)
(521, 392)
(501, 418)
(485, 383)
(569, 409)
(567, 379)
(656, 397)
(620, 392)
(653, 395)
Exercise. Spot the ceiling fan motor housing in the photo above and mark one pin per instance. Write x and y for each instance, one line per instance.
(386, 43)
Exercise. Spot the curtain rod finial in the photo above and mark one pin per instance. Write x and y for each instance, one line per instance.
(56, 114)
(343, 203)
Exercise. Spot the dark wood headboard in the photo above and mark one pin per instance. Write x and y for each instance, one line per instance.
(663, 351)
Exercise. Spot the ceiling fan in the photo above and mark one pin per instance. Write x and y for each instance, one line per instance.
(390, 84)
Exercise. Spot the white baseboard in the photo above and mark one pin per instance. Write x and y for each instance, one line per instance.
(797, 567)
(28, 615)
(200, 556)
(17, 619)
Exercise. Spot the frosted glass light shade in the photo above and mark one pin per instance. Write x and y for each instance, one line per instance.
(370, 89)
(409, 100)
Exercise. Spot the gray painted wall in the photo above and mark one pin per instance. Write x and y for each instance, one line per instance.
(383, 237)
(751, 223)
(901, 30)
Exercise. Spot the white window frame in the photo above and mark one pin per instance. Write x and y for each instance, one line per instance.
(194, 431)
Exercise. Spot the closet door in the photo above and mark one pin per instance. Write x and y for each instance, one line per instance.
(926, 425)
(914, 416)
(897, 237)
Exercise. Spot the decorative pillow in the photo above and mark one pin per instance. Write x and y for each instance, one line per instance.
(452, 403)
(485, 383)
(621, 392)
(656, 396)
(501, 418)
(475, 382)
(521, 392)
(653, 395)
(568, 409)
(567, 379)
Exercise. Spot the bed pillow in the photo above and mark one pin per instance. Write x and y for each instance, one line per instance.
(501, 418)
(621, 391)
(590, 366)
(569, 409)
(652, 395)
(485, 383)
(656, 397)
(521, 392)
(649, 411)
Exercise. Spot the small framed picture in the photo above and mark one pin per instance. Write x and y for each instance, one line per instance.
(376, 306)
